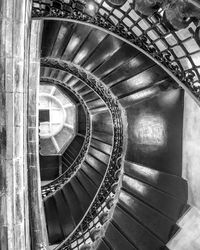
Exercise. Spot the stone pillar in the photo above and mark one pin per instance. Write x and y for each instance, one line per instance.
(15, 17)
(37, 220)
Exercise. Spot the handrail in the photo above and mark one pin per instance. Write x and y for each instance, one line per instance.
(57, 183)
(110, 177)
(171, 49)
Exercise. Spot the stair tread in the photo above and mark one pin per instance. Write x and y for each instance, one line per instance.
(64, 213)
(117, 240)
(91, 95)
(89, 186)
(72, 199)
(61, 41)
(92, 173)
(135, 66)
(99, 166)
(161, 201)
(90, 44)
(99, 155)
(148, 217)
(135, 232)
(174, 185)
(55, 233)
(105, 137)
(80, 34)
(124, 53)
(101, 146)
(84, 198)
(105, 50)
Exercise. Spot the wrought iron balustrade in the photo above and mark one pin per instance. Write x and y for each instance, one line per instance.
(178, 52)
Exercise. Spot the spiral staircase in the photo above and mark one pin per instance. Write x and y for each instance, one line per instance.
(118, 183)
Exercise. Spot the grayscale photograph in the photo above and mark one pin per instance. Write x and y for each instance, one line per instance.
(100, 125)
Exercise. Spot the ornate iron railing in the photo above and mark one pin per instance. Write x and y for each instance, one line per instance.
(178, 52)
(92, 217)
(57, 183)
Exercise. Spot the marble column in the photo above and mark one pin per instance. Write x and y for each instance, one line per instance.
(37, 219)
(15, 23)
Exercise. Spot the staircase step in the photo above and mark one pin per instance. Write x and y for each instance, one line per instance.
(99, 155)
(104, 147)
(49, 167)
(104, 137)
(159, 200)
(117, 240)
(83, 89)
(126, 52)
(51, 30)
(88, 47)
(88, 185)
(95, 104)
(73, 202)
(104, 51)
(131, 68)
(96, 164)
(72, 81)
(62, 76)
(151, 219)
(64, 214)
(100, 126)
(54, 73)
(80, 34)
(63, 38)
(55, 233)
(135, 232)
(92, 173)
(142, 80)
(77, 84)
(171, 184)
(83, 196)
(90, 96)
